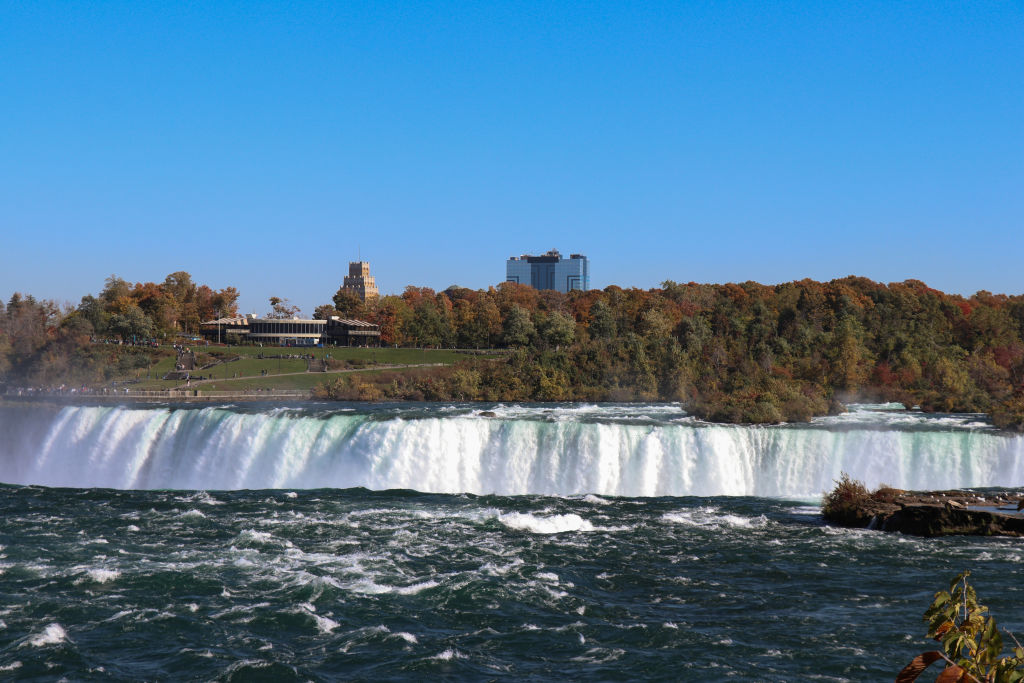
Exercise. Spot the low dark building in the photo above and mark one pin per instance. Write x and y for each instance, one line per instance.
(343, 332)
(292, 331)
(228, 330)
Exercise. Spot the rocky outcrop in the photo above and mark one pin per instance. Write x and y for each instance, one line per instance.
(935, 513)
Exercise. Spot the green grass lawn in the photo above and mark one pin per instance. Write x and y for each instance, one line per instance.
(250, 368)
(305, 382)
(384, 355)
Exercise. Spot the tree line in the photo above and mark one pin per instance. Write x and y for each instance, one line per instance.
(43, 343)
(742, 352)
(732, 352)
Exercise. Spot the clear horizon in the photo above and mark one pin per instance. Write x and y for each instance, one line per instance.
(264, 146)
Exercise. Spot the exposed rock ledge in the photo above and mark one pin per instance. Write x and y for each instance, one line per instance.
(933, 513)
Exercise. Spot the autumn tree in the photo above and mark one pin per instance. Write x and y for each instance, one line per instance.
(281, 309)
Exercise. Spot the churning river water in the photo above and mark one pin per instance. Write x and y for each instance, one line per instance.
(413, 542)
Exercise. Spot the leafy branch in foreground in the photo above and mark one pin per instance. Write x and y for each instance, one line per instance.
(971, 643)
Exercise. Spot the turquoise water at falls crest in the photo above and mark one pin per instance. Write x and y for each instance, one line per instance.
(629, 450)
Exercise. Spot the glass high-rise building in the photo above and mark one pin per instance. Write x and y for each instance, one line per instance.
(549, 271)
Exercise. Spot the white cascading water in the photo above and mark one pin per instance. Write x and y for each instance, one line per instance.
(218, 448)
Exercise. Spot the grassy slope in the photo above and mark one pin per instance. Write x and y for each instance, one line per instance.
(249, 368)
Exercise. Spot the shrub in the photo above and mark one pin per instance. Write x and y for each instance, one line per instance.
(845, 499)
(971, 644)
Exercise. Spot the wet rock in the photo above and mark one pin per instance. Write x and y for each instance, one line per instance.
(935, 513)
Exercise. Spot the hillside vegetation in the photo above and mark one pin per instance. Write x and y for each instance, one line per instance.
(734, 352)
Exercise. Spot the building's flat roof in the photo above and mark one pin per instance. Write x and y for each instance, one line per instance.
(353, 323)
(287, 320)
(237, 320)
(242, 320)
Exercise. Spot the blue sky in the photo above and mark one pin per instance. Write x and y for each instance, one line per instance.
(264, 145)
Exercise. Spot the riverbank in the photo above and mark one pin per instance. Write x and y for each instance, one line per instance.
(144, 396)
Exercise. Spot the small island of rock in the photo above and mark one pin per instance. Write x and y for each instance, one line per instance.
(931, 513)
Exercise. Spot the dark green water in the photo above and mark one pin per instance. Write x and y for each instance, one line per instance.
(278, 585)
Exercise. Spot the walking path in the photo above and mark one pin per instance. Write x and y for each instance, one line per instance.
(197, 382)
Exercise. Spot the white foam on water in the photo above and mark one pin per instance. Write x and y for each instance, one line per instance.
(744, 522)
(323, 624)
(100, 575)
(555, 524)
(492, 569)
(53, 633)
(416, 587)
(370, 587)
(239, 609)
(685, 518)
(13, 666)
(407, 637)
(449, 655)
(205, 498)
(123, 613)
(192, 514)
(201, 497)
(253, 538)
(713, 517)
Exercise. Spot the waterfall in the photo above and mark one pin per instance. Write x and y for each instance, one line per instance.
(224, 448)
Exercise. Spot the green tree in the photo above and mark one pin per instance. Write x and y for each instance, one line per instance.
(132, 325)
(602, 321)
(325, 312)
(429, 325)
(114, 289)
(349, 305)
(5, 354)
(557, 329)
(91, 309)
(518, 328)
(180, 287)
